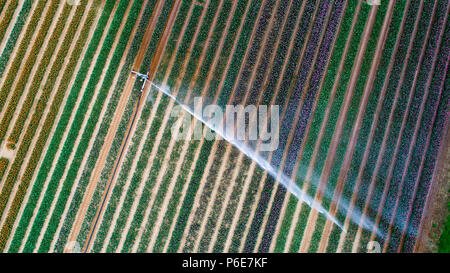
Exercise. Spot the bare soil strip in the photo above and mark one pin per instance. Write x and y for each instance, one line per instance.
(78, 221)
(28, 52)
(241, 156)
(158, 137)
(96, 93)
(290, 136)
(57, 83)
(185, 146)
(167, 198)
(300, 154)
(322, 129)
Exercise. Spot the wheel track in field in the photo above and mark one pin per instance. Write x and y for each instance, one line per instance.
(163, 172)
(155, 150)
(71, 121)
(154, 154)
(72, 80)
(78, 139)
(87, 158)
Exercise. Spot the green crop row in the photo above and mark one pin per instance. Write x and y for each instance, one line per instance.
(26, 70)
(14, 35)
(172, 41)
(184, 46)
(76, 88)
(333, 115)
(200, 43)
(122, 177)
(76, 201)
(38, 113)
(3, 165)
(205, 196)
(219, 204)
(71, 101)
(217, 73)
(104, 126)
(6, 19)
(90, 126)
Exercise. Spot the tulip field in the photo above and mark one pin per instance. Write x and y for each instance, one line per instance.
(89, 162)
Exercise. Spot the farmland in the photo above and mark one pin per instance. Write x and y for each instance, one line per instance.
(88, 155)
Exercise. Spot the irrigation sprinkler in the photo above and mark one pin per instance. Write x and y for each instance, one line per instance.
(143, 78)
